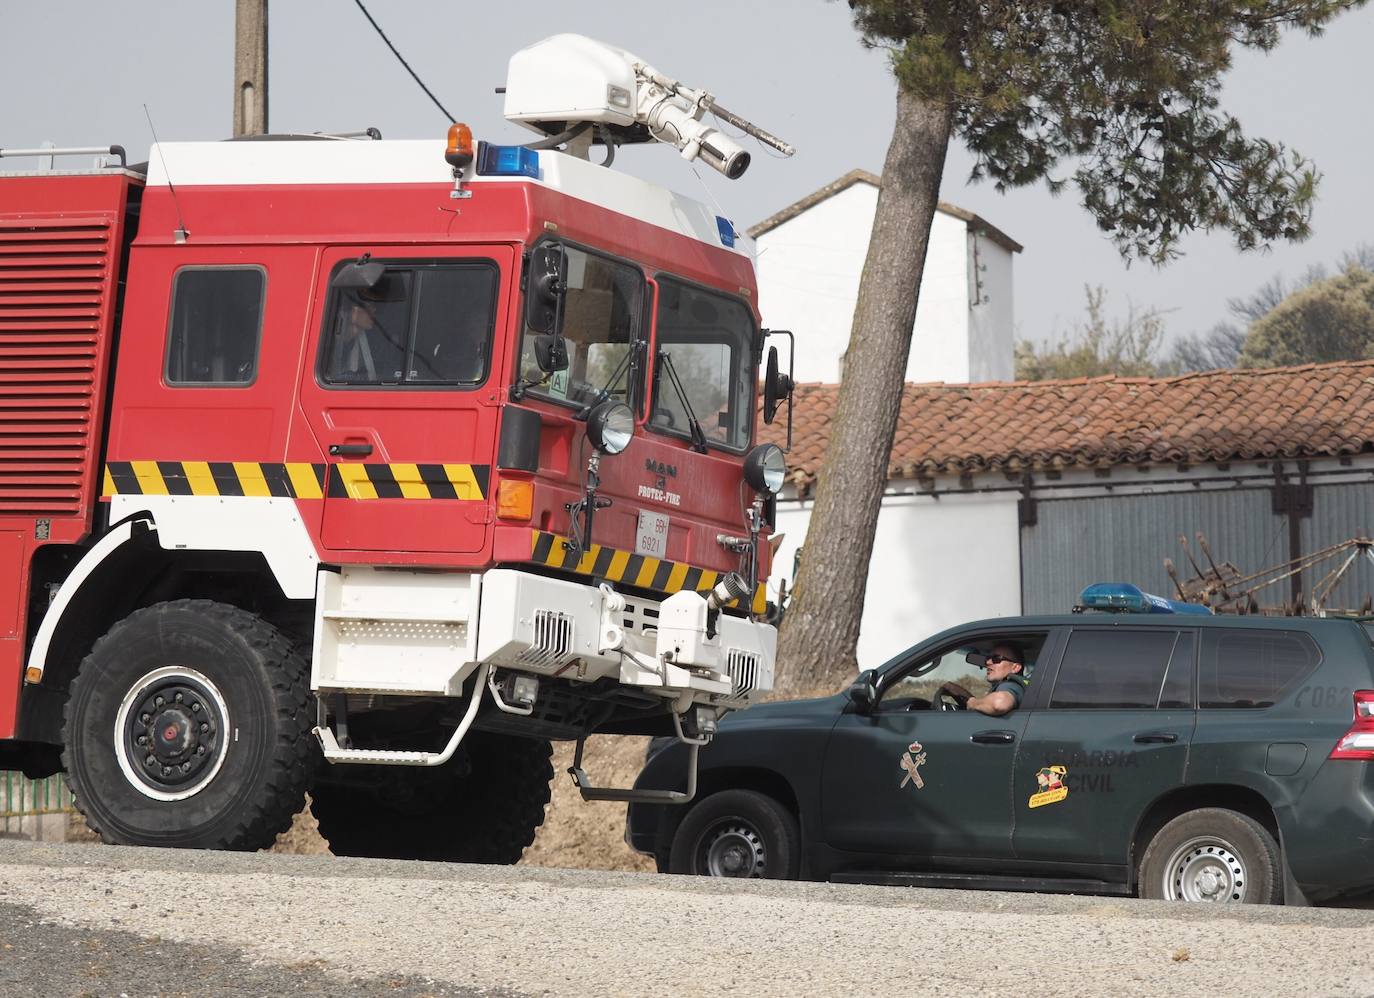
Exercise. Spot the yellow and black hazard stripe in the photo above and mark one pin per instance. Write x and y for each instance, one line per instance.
(297, 480)
(639, 570)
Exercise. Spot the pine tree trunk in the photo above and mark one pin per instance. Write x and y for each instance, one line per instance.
(821, 631)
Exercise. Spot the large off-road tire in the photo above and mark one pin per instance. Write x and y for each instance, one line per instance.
(483, 806)
(1212, 854)
(737, 833)
(189, 726)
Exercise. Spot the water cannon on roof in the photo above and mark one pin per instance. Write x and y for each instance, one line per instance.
(574, 89)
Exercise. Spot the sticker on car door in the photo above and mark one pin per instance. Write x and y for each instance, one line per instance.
(911, 762)
(1050, 780)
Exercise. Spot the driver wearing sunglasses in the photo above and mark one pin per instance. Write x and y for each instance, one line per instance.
(1005, 668)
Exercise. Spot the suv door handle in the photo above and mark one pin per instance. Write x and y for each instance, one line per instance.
(992, 737)
(1155, 738)
(350, 450)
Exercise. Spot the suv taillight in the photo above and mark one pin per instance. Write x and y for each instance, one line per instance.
(1358, 742)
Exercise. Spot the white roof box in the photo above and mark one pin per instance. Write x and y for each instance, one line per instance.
(566, 79)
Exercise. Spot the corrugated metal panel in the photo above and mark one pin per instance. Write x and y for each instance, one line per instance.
(54, 278)
(1126, 539)
(1340, 512)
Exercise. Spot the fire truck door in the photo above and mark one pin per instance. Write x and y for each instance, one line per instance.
(397, 399)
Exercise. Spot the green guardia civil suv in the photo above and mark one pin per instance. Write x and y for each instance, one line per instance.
(1200, 758)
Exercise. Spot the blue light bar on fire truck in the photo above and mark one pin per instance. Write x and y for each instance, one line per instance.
(507, 161)
(1122, 597)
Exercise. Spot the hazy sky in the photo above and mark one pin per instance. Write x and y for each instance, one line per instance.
(78, 72)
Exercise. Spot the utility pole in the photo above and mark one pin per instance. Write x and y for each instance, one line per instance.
(250, 67)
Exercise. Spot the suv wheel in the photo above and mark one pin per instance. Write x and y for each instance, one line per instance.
(1212, 854)
(737, 833)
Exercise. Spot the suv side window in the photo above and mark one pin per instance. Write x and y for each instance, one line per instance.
(918, 686)
(1252, 668)
(1114, 669)
(963, 664)
(1177, 692)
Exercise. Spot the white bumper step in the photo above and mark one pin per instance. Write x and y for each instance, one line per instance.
(375, 757)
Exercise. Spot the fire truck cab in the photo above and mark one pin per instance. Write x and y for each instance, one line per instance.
(371, 467)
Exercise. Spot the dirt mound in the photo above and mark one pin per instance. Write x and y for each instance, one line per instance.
(583, 835)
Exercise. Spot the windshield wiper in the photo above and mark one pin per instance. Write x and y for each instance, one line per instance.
(604, 392)
(693, 425)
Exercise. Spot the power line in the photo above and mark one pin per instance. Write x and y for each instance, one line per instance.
(398, 55)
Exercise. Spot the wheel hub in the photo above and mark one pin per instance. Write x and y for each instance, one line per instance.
(169, 735)
(735, 850)
(1206, 870)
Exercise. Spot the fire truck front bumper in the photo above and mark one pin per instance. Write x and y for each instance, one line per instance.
(678, 648)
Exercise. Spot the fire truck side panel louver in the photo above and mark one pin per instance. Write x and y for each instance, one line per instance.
(56, 304)
(743, 669)
(553, 639)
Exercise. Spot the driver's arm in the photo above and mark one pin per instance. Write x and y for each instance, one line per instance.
(996, 703)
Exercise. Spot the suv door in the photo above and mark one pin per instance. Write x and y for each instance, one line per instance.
(1112, 737)
(919, 783)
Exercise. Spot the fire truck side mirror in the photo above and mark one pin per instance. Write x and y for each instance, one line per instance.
(551, 353)
(545, 288)
(777, 387)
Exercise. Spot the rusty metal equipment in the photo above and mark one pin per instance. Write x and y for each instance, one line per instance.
(1223, 587)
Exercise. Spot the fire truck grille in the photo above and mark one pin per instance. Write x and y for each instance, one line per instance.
(56, 292)
(552, 640)
(743, 669)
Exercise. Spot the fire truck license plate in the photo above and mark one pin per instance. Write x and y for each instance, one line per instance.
(652, 538)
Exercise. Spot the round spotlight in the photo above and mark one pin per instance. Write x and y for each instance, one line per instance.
(610, 427)
(765, 469)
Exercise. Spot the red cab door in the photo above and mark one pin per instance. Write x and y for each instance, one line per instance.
(398, 396)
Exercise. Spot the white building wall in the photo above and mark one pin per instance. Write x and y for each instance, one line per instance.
(992, 334)
(936, 563)
(808, 274)
(940, 344)
(809, 269)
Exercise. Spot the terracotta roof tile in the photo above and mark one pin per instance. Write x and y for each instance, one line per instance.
(1214, 416)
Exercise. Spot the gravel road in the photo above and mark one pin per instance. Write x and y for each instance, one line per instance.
(82, 920)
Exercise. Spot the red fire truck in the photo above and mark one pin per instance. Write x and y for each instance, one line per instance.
(370, 467)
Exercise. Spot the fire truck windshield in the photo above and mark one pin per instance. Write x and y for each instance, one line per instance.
(601, 322)
(706, 337)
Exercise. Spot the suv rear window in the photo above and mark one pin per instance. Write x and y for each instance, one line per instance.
(1252, 668)
(1113, 669)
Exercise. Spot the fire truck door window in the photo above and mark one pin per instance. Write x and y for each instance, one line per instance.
(216, 326)
(705, 339)
(421, 324)
(601, 320)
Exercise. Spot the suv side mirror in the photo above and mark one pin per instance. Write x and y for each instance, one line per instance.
(545, 288)
(863, 692)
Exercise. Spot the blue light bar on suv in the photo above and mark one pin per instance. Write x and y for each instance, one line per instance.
(1122, 597)
(507, 161)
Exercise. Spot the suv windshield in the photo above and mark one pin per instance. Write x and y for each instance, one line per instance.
(705, 338)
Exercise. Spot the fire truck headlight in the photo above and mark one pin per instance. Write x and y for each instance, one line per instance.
(765, 469)
(610, 427)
